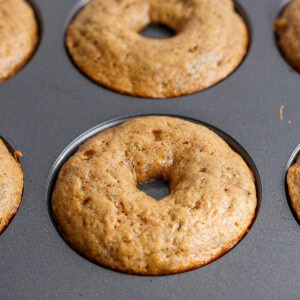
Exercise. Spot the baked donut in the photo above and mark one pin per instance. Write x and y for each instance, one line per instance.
(288, 31)
(104, 42)
(11, 185)
(293, 182)
(18, 36)
(105, 217)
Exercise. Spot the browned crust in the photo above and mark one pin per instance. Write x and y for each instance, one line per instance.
(10, 214)
(187, 92)
(173, 272)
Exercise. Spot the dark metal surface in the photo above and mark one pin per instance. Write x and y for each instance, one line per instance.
(50, 103)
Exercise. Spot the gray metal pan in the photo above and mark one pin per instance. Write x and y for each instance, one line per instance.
(49, 104)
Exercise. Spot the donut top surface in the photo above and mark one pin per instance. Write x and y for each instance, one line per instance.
(288, 31)
(18, 36)
(11, 185)
(105, 43)
(293, 181)
(103, 215)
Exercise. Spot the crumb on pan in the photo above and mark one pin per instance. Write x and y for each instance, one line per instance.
(281, 110)
(18, 154)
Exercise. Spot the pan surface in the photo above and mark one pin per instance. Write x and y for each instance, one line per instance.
(50, 103)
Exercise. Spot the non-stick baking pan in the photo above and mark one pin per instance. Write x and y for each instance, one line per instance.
(49, 104)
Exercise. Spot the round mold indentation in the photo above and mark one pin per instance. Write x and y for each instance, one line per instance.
(291, 162)
(283, 5)
(12, 151)
(40, 30)
(73, 146)
(152, 34)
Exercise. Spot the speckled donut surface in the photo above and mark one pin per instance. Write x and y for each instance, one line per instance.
(293, 181)
(104, 216)
(11, 185)
(105, 44)
(18, 36)
(288, 32)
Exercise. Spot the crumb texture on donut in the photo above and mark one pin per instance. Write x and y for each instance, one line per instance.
(103, 215)
(105, 44)
(11, 185)
(18, 36)
(293, 181)
(288, 31)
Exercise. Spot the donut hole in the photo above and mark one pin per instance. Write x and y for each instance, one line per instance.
(156, 188)
(157, 31)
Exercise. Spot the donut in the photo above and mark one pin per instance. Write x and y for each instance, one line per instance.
(287, 28)
(11, 185)
(103, 215)
(18, 36)
(104, 42)
(293, 183)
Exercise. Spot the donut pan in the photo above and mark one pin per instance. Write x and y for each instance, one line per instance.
(49, 104)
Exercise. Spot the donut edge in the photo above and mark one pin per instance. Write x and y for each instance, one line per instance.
(34, 44)
(9, 216)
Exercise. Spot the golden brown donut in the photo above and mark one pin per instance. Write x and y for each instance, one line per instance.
(104, 216)
(288, 31)
(104, 42)
(293, 181)
(11, 185)
(18, 36)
